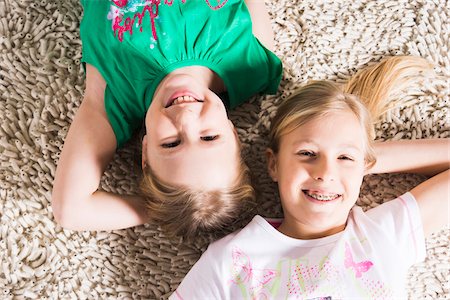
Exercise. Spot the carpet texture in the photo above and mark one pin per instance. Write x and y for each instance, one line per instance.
(41, 87)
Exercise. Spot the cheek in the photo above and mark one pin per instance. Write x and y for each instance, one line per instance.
(152, 119)
(356, 180)
(289, 183)
(160, 127)
(218, 115)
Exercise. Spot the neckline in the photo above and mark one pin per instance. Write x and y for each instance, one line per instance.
(268, 228)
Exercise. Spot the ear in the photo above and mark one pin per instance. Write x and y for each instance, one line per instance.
(368, 166)
(235, 132)
(367, 169)
(144, 152)
(232, 127)
(272, 164)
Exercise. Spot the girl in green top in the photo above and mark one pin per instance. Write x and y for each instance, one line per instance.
(177, 65)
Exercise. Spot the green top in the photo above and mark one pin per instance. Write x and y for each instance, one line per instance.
(135, 43)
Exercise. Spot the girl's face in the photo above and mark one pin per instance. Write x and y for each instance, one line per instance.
(190, 141)
(319, 169)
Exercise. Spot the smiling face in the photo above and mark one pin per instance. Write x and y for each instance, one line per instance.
(319, 168)
(190, 141)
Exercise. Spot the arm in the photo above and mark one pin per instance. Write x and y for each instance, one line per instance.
(429, 157)
(261, 23)
(433, 197)
(425, 156)
(89, 147)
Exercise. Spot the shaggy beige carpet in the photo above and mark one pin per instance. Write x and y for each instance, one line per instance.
(41, 86)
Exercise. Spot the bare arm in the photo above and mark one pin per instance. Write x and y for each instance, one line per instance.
(429, 157)
(425, 156)
(433, 197)
(89, 147)
(261, 22)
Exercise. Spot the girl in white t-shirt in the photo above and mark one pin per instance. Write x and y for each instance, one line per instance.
(321, 146)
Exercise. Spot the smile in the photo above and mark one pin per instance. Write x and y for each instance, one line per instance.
(182, 100)
(322, 197)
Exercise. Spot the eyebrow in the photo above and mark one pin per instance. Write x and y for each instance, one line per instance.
(178, 149)
(352, 147)
(298, 143)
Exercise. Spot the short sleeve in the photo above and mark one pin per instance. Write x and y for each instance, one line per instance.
(202, 282)
(124, 96)
(401, 220)
(123, 129)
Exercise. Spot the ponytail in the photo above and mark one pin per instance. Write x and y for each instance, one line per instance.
(379, 85)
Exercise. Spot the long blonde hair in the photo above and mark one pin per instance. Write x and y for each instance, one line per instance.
(367, 94)
(379, 85)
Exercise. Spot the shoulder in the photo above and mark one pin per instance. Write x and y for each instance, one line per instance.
(396, 223)
(395, 213)
(404, 205)
(95, 84)
(213, 268)
(246, 240)
(251, 231)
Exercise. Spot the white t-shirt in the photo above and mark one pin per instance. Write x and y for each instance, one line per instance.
(368, 260)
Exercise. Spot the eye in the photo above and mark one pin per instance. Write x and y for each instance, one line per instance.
(306, 153)
(171, 145)
(345, 157)
(209, 138)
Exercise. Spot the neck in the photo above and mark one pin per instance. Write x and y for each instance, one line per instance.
(206, 75)
(299, 230)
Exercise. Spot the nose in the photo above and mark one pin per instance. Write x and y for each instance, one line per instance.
(186, 120)
(178, 112)
(188, 125)
(323, 170)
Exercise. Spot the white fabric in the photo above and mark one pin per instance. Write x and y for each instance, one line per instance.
(368, 260)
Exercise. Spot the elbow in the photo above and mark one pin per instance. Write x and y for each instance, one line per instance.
(57, 208)
(60, 217)
(63, 214)
(60, 213)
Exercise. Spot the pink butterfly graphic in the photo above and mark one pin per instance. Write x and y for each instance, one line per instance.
(360, 267)
(243, 272)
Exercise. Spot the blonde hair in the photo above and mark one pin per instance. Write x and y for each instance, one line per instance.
(181, 211)
(368, 94)
(379, 85)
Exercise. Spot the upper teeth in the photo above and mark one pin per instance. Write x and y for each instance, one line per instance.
(322, 197)
(184, 99)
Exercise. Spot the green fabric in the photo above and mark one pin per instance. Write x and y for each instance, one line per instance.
(134, 55)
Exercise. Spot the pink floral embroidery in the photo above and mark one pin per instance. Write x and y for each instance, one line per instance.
(120, 25)
(170, 2)
(120, 3)
(220, 4)
(151, 8)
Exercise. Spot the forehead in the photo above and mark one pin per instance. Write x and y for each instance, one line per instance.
(201, 168)
(335, 128)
